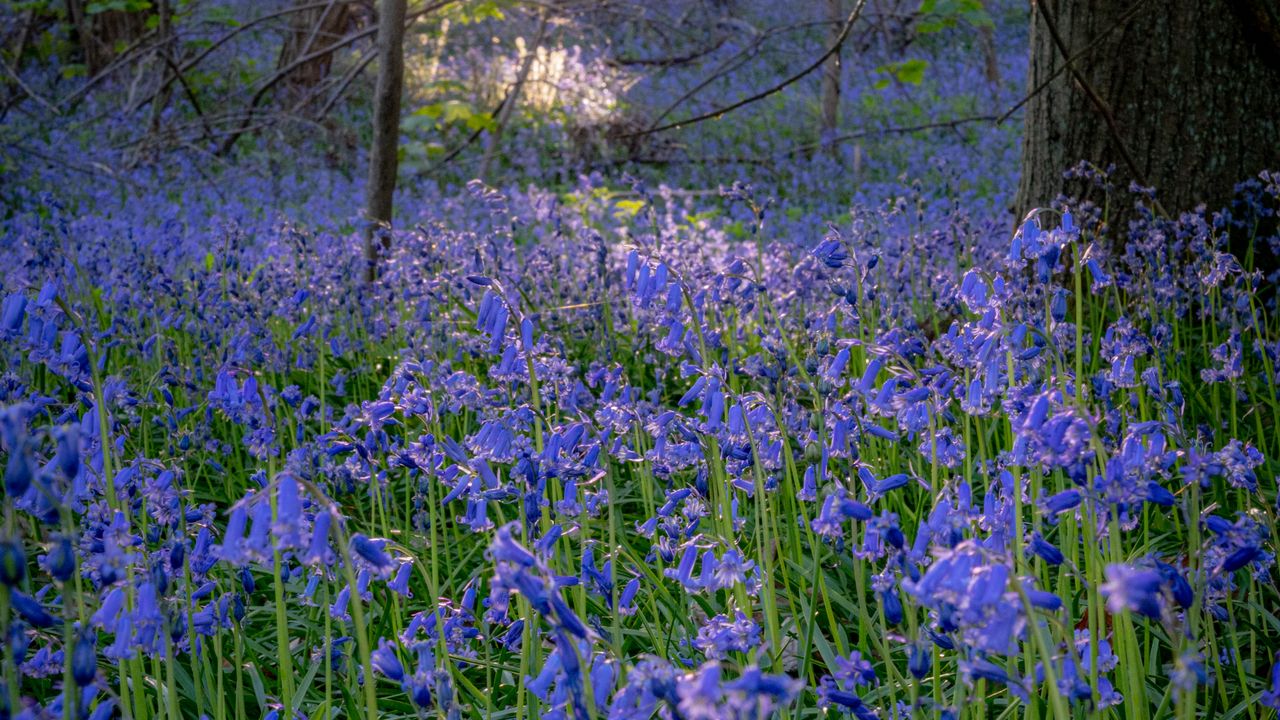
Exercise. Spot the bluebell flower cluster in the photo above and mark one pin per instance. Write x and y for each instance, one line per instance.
(577, 455)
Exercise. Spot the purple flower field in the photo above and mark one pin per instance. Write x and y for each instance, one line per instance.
(736, 420)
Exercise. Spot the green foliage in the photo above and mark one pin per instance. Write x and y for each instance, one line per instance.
(100, 6)
(942, 14)
(223, 16)
(451, 112)
(910, 72)
(627, 208)
(474, 12)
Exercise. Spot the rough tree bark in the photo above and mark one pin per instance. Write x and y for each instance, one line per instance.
(990, 60)
(383, 158)
(310, 31)
(830, 120)
(1192, 88)
(100, 34)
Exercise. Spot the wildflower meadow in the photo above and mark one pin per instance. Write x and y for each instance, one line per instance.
(610, 420)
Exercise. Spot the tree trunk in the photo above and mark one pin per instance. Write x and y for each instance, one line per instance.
(1179, 95)
(99, 34)
(383, 158)
(830, 120)
(990, 60)
(164, 49)
(311, 31)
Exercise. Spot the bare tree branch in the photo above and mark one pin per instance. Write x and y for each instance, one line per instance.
(26, 88)
(835, 47)
(664, 62)
(302, 60)
(229, 36)
(189, 92)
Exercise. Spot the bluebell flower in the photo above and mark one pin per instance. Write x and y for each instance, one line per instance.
(855, 670)
(61, 560)
(730, 570)
(107, 613)
(1044, 550)
(1100, 278)
(877, 488)
(830, 695)
(338, 608)
(1135, 589)
(809, 489)
(835, 369)
(1156, 494)
(30, 609)
(400, 583)
(371, 553)
(13, 562)
(12, 314)
(105, 710)
(603, 675)
(1188, 673)
(1058, 306)
(839, 689)
(626, 603)
(1238, 559)
(422, 684)
(288, 528)
(67, 456)
(318, 551)
(386, 661)
(720, 636)
(831, 252)
(19, 470)
(307, 597)
(541, 684)
(233, 549)
(753, 683)
(505, 549)
(892, 607)
(1062, 502)
(84, 658)
(979, 669)
(683, 572)
(1271, 696)
(973, 291)
(919, 660)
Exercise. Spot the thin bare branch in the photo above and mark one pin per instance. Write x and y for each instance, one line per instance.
(300, 61)
(719, 112)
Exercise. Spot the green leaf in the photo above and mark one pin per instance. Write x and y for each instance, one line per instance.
(456, 110)
(101, 6)
(433, 111)
(305, 685)
(477, 12)
(627, 208)
(223, 16)
(910, 72)
(481, 121)
(940, 14)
